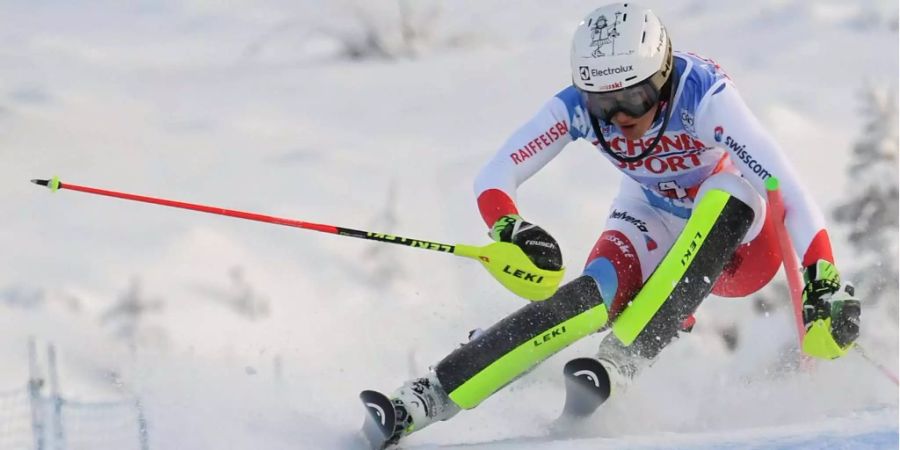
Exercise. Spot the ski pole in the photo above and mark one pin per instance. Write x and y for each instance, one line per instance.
(792, 271)
(505, 261)
(884, 370)
(791, 265)
(54, 184)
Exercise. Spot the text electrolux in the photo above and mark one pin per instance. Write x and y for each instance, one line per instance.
(610, 70)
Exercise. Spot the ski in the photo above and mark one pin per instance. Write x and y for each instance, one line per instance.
(587, 387)
(381, 419)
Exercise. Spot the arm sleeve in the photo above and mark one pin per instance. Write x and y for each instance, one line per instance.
(529, 149)
(723, 117)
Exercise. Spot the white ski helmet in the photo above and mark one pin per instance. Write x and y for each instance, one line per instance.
(621, 62)
(619, 45)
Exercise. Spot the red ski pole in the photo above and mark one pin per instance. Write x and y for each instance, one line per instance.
(54, 184)
(505, 261)
(793, 272)
(791, 265)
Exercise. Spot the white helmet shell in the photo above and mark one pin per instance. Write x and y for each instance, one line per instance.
(617, 46)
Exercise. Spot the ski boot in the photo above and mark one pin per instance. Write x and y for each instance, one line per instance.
(415, 405)
(591, 381)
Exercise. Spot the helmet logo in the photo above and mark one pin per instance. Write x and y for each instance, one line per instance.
(602, 34)
(584, 72)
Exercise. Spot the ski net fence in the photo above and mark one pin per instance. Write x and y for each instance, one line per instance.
(30, 420)
(16, 432)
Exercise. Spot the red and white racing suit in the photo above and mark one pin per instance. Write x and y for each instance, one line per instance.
(712, 141)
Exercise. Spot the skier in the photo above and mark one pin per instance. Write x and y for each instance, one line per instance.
(689, 219)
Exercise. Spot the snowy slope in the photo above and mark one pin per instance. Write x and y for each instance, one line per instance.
(249, 107)
(867, 430)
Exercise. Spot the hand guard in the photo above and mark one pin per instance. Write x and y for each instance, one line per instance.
(537, 244)
(830, 312)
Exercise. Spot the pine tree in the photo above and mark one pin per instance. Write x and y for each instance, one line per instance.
(129, 316)
(383, 263)
(870, 215)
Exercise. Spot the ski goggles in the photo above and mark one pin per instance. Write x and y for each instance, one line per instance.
(634, 101)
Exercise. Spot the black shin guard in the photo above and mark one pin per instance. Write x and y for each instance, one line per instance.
(520, 341)
(686, 276)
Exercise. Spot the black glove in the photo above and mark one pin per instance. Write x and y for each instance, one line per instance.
(829, 304)
(537, 244)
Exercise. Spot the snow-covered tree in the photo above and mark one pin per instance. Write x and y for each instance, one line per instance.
(870, 214)
(388, 29)
(129, 315)
(357, 30)
(382, 262)
(240, 297)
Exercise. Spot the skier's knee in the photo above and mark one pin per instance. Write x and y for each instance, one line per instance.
(740, 189)
(752, 267)
(603, 272)
(616, 270)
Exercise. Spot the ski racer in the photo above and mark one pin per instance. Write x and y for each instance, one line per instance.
(689, 219)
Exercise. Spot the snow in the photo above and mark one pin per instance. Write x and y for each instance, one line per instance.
(248, 106)
(868, 430)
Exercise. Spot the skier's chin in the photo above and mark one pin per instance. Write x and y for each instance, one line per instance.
(632, 131)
